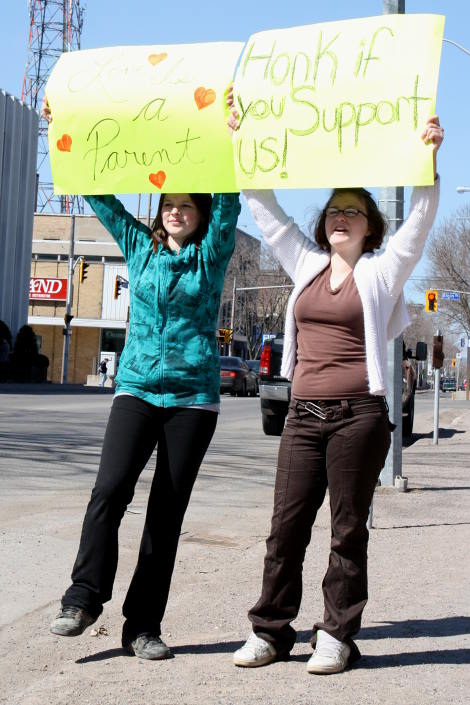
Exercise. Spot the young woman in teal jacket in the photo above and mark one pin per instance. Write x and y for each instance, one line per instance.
(167, 395)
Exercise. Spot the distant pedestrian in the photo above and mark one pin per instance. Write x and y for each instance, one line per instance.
(347, 300)
(167, 394)
(103, 369)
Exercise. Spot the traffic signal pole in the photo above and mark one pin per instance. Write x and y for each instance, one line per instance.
(437, 384)
(67, 331)
(437, 361)
(391, 204)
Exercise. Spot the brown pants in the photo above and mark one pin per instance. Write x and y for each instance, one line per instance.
(344, 452)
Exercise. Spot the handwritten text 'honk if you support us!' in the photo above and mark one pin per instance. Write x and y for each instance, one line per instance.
(308, 93)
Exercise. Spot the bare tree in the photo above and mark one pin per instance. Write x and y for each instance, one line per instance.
(257, 310)
(448, 252)
(422, 327)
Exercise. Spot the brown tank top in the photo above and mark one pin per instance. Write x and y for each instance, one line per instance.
(331, 352)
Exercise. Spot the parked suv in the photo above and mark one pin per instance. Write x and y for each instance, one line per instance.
(275, 391)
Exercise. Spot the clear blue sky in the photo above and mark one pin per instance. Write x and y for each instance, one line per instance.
(118, 22)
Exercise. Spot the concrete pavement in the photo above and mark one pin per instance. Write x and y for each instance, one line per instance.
(415, 638)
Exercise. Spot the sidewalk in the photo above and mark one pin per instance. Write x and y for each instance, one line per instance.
(415, 638)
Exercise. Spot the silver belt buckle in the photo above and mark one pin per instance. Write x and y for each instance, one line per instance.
(315, 410)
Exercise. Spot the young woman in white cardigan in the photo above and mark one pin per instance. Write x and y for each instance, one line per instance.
(347, 302)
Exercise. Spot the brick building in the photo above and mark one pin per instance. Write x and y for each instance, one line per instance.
(99, 320)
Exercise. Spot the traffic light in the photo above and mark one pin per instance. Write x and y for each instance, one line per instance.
(117, 286)
(454, 362)
(225, 335)
(431, 301)
(83, 270)
(437, 351)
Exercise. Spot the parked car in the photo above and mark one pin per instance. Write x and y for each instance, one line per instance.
(236, 377)
(275, 391)
(448, 384)
(254, 367)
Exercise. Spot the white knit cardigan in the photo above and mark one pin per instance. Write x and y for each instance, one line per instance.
(380, 276)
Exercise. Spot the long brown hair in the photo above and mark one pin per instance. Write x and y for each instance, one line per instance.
(375, 219)
(203, 203)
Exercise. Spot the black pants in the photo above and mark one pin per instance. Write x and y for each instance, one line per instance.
(344, 452)
(134, 428)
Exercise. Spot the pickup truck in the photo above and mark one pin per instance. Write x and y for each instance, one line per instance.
(275, 391)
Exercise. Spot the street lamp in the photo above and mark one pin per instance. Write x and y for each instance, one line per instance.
(463, 189)
(459, 46)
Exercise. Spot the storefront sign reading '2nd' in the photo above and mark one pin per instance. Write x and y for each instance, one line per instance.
(46, 288)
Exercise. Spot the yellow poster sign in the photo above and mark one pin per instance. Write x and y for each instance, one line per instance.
(142, 119)
(338, 104)
(332, 104)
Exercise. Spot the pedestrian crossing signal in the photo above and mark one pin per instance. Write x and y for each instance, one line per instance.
(431, 301)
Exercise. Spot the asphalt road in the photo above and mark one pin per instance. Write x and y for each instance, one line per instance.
(54, 442)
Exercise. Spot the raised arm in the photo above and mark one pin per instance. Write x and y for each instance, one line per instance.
(220, 238)
(404, 249)
(124, 228)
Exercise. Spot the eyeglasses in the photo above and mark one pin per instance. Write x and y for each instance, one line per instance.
(347, 212)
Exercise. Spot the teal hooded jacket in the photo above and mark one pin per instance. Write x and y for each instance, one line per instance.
(171, 355)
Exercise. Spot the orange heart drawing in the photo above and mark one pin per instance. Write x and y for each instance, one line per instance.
(156, 58)
(65, 143)
(204, 97)
(157, 179)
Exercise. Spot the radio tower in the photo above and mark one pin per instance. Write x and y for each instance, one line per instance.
(55, 26)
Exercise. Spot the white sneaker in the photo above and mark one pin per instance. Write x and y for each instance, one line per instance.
(255, 652)
(330, 655)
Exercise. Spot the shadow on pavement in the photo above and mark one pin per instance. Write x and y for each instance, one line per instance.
(416, 658)
(420, 526)
(417, 628)
(440, 489)
(410, 628)
(443, 433)
(224, 647)
(103, 656)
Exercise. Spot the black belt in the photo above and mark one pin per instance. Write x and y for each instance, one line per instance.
(328, 408)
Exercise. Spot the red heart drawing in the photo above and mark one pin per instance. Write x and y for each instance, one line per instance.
(157, 179)
(65, 143)
(156, 58)
(204, 97)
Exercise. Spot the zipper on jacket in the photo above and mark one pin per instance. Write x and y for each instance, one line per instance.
(163, 307)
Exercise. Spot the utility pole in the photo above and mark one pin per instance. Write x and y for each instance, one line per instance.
(391, 203)
(67, 331)
(232, 314)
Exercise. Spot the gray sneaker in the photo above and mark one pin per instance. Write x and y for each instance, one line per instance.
(147, 646)
(71, 621)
